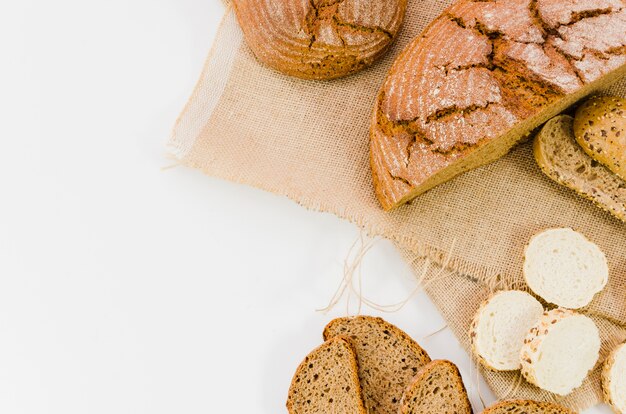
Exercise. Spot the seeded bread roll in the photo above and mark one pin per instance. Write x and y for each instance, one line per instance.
(319, 39)
(436, 389)
(480, 78)
(387, 357)
(560, 350)
(614, 379)
(600, 129)
(327, 381)
(499, 327)
(565, 268)
(526, 407)
(563, 160)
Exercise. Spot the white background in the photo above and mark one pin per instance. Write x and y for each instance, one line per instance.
(128, 289)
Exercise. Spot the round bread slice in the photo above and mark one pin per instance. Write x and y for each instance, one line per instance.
(388, 359)
(438, 389)
(327, 381)
(600, 129)
(526, 407)
(499, 327)
(560, 350)
(614, 379)
(319, 39)
(565, 268)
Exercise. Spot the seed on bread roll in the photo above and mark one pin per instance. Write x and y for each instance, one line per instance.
(499, 327)
(614, 379)
(560, 350)
(565, 268)
(319, 39)
(600, 129)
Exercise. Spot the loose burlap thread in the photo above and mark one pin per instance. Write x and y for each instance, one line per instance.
(308, 140)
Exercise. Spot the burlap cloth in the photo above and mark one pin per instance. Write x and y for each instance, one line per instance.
(308, 141)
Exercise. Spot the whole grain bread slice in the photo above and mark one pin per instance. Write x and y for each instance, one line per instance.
(563, 160)
(526, 407)
(327, 381)
(387, 357)
(436, 389)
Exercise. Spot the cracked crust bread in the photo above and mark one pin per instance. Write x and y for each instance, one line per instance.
(387, 357)
(614, 379)
(436, 389)
(563, 160)
(565, 268)
(319, 39)
(526, 407)
(480, 78)
(560, 350)
(500, 326)
(327, 381)
(600, 129)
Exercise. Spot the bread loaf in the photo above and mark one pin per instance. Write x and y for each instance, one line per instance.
(319, 39)
(614, 379)
(564, 161)
(387, 357)
(479, 78)
(327, 381)
(526, 407)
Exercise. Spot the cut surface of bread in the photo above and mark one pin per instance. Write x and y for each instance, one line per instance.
(560, 350)
(436, 389)
(614, 379)
(387, 358)
(526, 407)
(319, 39)
(327, 381)
(480, 78)
(600, 129)
(563, 160)
(565, 268)
(500, 326)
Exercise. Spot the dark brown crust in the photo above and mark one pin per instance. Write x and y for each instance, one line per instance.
(530, 407)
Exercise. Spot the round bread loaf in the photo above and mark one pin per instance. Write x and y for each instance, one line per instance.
(319, 39)
(600, 129)
(565, 268)
(614, 379)
(499, 327)
(560, 350)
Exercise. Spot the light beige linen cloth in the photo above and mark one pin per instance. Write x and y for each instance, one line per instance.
(308, 140)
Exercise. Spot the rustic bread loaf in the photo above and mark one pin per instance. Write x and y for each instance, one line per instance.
(600, 129)
(563, 160)
(526, 407)
(319, 39)
(387, 358)
(436, 389)
(327, 381)
(479, 78)
(614, 379)
(500, 326)
(565, 268)
(560, 350)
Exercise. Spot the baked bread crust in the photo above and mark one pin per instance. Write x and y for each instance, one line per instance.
(319, 39)
(479, 78)
(526, 407)
(607, 379)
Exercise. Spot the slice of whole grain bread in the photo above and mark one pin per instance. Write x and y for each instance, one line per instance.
(387, 357)
(327, 381)
(436, 389)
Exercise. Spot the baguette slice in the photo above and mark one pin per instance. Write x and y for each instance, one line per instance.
(560, 350)
(436, 389)
(600, 129)
(565, 268)
(614, 379)
(498, 330)
(387, 357)
(327, 381)
(526, 407)
(563, 160)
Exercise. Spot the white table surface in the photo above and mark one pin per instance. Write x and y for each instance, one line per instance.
(128, 289)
